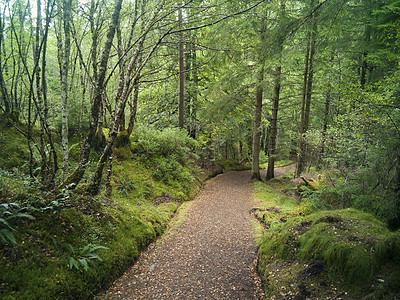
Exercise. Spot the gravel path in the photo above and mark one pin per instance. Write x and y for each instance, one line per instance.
(210, 256)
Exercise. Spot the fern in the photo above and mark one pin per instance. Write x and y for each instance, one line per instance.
(82, 257)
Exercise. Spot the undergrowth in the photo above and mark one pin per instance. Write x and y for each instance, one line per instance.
(73, 245)
(323, 253)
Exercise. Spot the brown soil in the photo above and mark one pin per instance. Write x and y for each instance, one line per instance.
(210, 256)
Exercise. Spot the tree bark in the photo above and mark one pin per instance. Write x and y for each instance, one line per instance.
(257, 126)
(274, 124)
(256, 144)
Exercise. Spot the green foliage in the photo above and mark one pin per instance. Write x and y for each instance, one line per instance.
(169, 142)
(83, 256)
(12, 155)
(57, 254)
(169, 154)
(8, 212)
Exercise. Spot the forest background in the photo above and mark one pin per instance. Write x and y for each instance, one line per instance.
(317, 82)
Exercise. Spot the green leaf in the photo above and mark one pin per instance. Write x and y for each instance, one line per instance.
(84, 263)
(73, 263)
(6, 235)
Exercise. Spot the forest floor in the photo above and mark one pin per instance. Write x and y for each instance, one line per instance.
(208, 253)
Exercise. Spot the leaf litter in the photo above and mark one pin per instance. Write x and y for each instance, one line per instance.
(211, 255)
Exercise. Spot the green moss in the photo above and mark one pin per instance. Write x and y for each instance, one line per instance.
(122, 139)
(123, 153)
(14, 152)
(38, 266)
(352, 244)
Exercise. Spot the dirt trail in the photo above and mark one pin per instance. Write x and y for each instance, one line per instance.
(210, 256)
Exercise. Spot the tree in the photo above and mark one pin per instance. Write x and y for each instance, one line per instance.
(258, 103)
(277, 88)
(64, 49)
(307, 92)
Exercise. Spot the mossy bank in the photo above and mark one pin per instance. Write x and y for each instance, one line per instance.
(345, 253)
(71, 246)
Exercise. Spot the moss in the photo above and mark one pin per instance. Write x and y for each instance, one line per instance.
(99, 140)
(123, 153)
(122, 139)
(353, 245)
(14, 150)
(38, 265)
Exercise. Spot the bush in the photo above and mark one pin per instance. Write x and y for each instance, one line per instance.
(170, 142)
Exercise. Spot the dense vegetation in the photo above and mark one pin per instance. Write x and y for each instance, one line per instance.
(73, 245)
(92, 94)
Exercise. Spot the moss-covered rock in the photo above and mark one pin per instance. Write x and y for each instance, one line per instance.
(122, 139)
(354, 246)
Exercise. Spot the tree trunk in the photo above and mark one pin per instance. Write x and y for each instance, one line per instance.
(133, 109)
(326, 116)
(306, 103)
(275, 104)
(124, 90)
(273, 124)
(67, 6)
(181, 106)
(52, 165)
(256, 144)
(4, 93)
(75, 177)
(257, 126)
(193, 113)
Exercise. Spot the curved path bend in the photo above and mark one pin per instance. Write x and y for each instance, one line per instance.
(211, 255)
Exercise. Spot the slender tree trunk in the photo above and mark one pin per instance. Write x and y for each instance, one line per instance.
(274, 124)
(181, 106)
(67, 6)
(275, 104)
(39, 96)
(4, 93)
(124, 90)
(256, 144)
(326, 116)
(257, 126)
(193, 113)
(52, 165)
(306, 103)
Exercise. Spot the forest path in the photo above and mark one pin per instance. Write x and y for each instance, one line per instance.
(211, 255)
